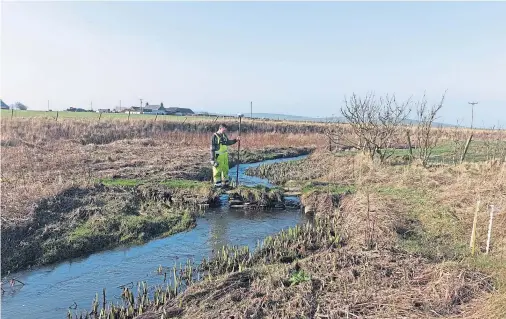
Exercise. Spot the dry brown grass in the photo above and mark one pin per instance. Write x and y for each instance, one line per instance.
(405, 234)
(420, 219)
(41, 158)
(438, 203)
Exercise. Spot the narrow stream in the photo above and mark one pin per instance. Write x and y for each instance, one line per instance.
(50, 291)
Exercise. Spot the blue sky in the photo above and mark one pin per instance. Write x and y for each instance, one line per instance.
(297, 58)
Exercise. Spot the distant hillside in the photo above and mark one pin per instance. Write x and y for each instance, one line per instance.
(323, 119)
(287, 117)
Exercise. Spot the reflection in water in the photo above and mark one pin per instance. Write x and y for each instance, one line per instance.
(218, 229)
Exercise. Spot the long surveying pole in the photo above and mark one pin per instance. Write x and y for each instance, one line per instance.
(238, 152)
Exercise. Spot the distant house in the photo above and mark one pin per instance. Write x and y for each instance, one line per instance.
(154, 109)
(4, 106)
(179, 111)
(147, 109)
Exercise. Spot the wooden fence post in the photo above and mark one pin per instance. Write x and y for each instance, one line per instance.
(466, 148)
(472, 244)
(410, 145)
(489, 234)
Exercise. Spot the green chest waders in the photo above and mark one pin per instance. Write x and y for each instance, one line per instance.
(220, 173)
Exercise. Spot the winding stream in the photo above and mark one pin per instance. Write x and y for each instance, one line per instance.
(50, 291)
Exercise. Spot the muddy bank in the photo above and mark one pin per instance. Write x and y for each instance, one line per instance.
(80, 221)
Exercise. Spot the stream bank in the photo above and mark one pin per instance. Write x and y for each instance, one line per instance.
(49, 291)
(114, 212)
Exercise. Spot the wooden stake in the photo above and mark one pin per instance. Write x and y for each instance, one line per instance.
(489, 235)
(466, 148)
(410, 146)
(473, 232)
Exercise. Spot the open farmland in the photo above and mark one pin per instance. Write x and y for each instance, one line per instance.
(74, 186)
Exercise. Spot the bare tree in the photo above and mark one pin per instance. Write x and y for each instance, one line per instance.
(426, 136)
(19, 106)
(376, 122)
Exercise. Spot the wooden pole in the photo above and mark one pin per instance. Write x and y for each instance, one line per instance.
(472, 244)
(410, 146)
(489, 235)
(238, 155)
(466, 148)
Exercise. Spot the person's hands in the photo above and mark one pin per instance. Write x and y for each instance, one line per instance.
(238, 138)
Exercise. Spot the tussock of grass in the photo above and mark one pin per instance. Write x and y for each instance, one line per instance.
(258, 195)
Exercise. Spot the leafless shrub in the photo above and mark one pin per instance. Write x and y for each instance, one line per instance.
(426, 136)
(376, 122)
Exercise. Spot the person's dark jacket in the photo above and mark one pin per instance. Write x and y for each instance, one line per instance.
(215, 146)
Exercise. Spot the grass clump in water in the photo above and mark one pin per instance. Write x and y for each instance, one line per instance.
(258, 195)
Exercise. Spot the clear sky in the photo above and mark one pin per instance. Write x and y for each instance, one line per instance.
(297, 58)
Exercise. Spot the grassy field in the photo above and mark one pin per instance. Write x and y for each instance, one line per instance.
(398, 227)
(96, 116)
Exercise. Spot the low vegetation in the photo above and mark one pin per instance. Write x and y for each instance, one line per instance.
(95, 174)
(389, 237)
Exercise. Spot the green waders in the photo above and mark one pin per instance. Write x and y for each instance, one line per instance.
(220, 173)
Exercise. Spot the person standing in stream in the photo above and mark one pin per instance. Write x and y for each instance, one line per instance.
(219, 156)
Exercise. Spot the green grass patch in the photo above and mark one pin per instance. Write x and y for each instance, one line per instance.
(96, 116)
(173, 183)
(428, 228)
(298, 277)
(450, 153)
